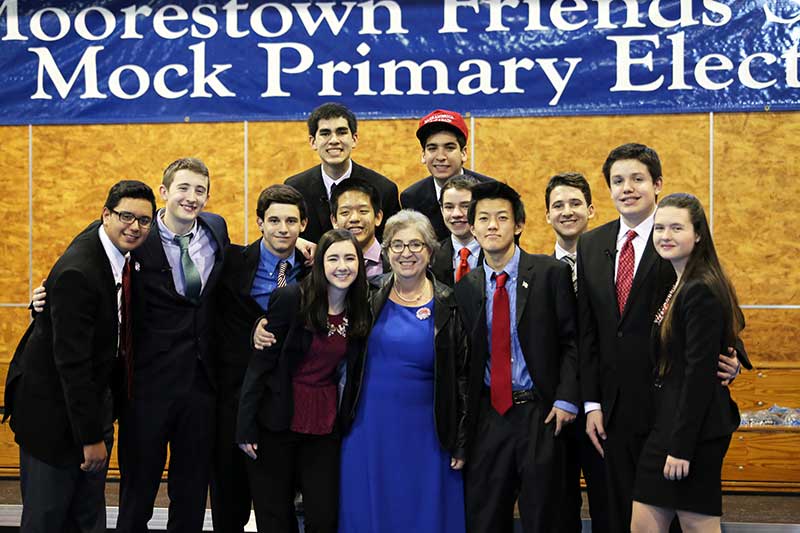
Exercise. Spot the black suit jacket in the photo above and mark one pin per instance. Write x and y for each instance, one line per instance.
(614, 349)
(172, 333)
(57, 388)
(267, 399)
(236, 313)
(442, 264)
(451, 349)
(692, 405)
(311, 186)
(421, 196)
(545, 326)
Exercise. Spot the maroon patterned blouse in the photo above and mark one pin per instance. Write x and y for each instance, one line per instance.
(314, 382)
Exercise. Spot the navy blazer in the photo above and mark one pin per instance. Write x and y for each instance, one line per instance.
(310, 184)
(58, 385)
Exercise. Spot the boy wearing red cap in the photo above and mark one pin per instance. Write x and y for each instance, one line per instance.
(443, 137)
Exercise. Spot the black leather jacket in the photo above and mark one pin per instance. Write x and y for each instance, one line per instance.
(450, 368)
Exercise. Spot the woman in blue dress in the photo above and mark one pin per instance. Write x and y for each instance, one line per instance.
(402, 459)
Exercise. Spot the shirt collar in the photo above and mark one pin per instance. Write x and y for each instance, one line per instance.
(168, 234)
(473, 246)
(330, 182)
(561, 252)
(642, 230)
(373, 253)
(270, 261)
(511, 268)
(115, 257)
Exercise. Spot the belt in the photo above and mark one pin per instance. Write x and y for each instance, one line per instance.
(523, 396)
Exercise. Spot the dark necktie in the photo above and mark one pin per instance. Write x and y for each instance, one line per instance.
(191, 277)
(463, 264)
(126, 327)
(282, 266)
(501, 347)
(627, 259)
(570, 260)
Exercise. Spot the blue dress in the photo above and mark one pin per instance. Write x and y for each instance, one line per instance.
(395, 475)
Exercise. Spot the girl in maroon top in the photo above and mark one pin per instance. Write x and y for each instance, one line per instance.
(298, 393)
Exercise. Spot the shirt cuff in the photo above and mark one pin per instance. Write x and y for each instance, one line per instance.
(566, 406)
(588, 407)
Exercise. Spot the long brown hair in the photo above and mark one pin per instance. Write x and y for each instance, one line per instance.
(315, 290)
(704, 266)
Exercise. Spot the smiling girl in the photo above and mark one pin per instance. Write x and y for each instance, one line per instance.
(297, 394)
(679, 469)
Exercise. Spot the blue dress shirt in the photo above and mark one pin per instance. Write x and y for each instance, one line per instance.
(520, 377)
(266, 278)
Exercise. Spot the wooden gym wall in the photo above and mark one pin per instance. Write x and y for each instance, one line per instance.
(743, 167)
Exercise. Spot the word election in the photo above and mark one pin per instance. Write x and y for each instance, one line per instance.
(285, 40)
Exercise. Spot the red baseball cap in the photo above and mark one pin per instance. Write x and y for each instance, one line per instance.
(441, 116)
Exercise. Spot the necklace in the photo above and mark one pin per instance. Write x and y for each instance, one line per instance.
(409, 300)
(337, 329)
(665, 306)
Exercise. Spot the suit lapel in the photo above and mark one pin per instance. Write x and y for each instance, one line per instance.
(252, 256)
(524, 282)
(320, 196)
(608, 264)
(647, 262)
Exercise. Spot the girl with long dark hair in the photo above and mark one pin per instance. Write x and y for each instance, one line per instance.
(680, 467)
(298, 393)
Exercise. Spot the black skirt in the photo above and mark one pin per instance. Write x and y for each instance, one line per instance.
(699, 492)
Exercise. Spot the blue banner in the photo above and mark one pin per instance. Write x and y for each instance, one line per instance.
(92, 61)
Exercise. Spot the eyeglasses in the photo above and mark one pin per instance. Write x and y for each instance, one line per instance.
(414, 246)
(126, 217)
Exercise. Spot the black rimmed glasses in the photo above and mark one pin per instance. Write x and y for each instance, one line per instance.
(126, 217)
(414, 247)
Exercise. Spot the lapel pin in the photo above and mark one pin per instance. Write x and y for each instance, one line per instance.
(136, 266)
(524, 284)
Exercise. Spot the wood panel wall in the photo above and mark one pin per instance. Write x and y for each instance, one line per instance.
(742, 166)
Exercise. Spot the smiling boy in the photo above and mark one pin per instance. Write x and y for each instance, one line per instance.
(333, 134)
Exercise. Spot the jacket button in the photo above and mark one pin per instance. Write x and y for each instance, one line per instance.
(619, 334)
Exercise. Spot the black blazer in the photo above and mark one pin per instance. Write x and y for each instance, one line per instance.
(692, 405)
(545, 326)
(170, 332)
(311, 186)
(442, 264)
(421, 196)
(450, 368)
(58, 383)
(615, 366)
(267, 399)
(236, 312)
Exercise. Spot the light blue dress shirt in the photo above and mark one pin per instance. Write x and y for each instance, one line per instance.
(520, 377)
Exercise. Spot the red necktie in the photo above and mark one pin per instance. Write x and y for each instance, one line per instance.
(126, 327)
(627, 258)
(463, 264)
(501, 347)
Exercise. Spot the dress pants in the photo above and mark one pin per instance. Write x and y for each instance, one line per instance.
(582, 456)
(230, 488)
(62, 499)
(622, 449)
(285, 460)
(514, 456)
(149, 423)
